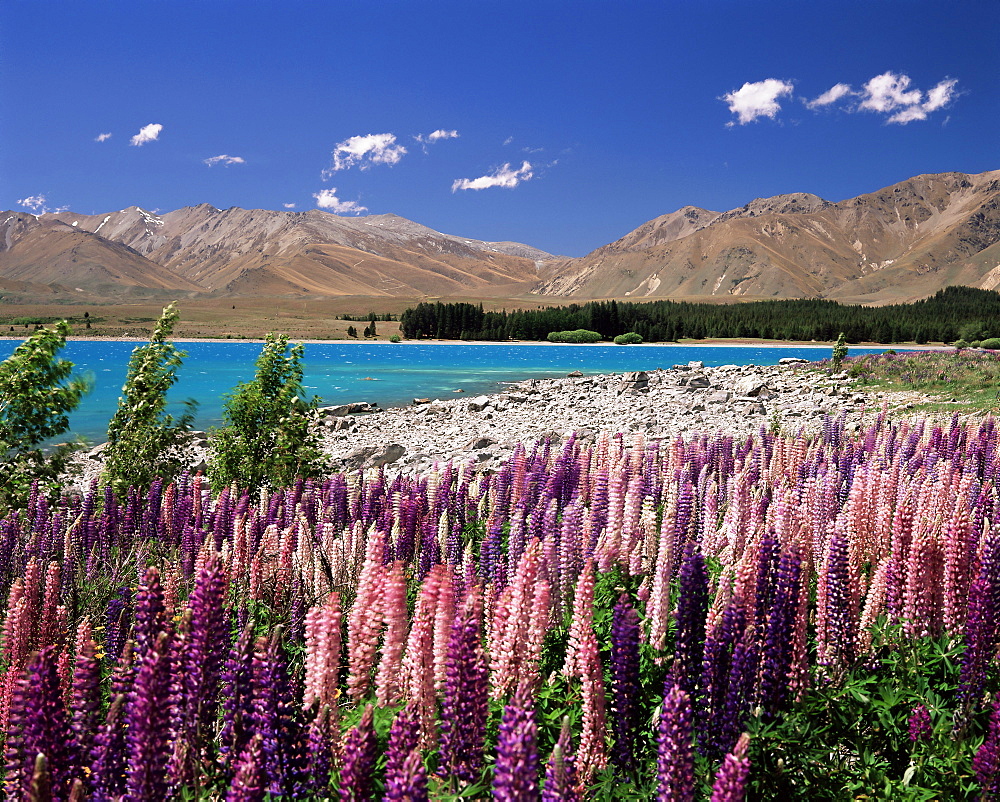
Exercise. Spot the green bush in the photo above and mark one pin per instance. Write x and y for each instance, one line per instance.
(394, 338)
(269, 437)
(991, 344)
(37, 393)
(577, 336)
(839, 352)
(144, 442)
(628, 339)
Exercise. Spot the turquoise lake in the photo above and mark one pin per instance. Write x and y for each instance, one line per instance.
(384, 373)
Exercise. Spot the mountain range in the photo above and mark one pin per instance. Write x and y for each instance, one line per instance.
(900, 243)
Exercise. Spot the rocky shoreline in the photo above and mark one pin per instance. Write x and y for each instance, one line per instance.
(684, 400)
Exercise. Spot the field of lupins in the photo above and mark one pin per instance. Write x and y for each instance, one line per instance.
(777, 618)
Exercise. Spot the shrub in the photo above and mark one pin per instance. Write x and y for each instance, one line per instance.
(960, 344)
(394, 338)
(578, 336)
(269, 435)
(991, 344)
(628, 339)
(144, 442)
(839, 352)
(37, 393)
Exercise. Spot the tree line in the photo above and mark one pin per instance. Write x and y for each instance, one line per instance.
(951, 314)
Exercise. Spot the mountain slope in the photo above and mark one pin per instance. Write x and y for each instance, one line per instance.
(255, 251)
(900, 243)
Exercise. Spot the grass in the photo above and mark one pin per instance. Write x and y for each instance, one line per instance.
(962, 380)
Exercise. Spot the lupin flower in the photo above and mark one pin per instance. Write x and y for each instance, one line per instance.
(150, 617)
(147, 721)
(919, 724)
(560, 771)
(464, 704)
(625, 684)
(85, 693)
(107, 777)
(320, 751)
(365, 621)
(247, 785)
(360, 754)
(731, 778)
(515, 777)
(323, 648)
(675, 754)
(692, 610)
(388, 686)
(986, 763)
(405, 774)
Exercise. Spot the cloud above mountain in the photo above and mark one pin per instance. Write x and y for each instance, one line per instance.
(503, 176)
(364, 151)
(755, 100)
(327, 199)
(225, 160)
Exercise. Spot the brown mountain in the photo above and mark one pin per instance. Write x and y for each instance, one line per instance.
(44, 255)
(901, 243)
(260, 252)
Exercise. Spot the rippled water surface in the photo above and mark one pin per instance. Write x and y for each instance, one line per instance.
(388, 374)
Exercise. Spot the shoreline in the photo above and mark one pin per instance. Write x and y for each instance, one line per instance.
(713, 343)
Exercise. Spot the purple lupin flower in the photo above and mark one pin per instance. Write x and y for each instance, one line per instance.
(147, 718)
(515, 777)
(692, 610)
(201, 660)
(986, 763)
(919, 724)
(360, 754)
(237, 695)
(731, 778)
(149, 611)
(717, 665)
(675, 754)
(319, 750)
(119, 622)
(465, 704)
(37, 725)
(405, 774)
(107, 775)
(85, 699)
(983, 628)
(560, 771)
(626, 690)
(776, 657)
(246, 785)
(274, 719)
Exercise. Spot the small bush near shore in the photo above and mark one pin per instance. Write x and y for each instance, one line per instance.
(628, 339)
(577, 336)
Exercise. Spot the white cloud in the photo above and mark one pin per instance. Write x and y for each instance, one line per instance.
(148, 133)
(102, 137)
(38, 204)
(365, 151)
(887, 92)
(224, 160)
(435, 136)
(830, 96)
(288, 205)
(508, 140)
(754, 100)
(327, 199)
(501, 177)
(891, 94)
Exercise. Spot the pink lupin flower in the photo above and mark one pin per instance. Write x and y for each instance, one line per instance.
(323, 648)
(592, 755)
(388, 680)
(583, 611)
(418, 660)
(48, 625)
(959, 551)
(658, 607)
(519, 625)
(365, 621)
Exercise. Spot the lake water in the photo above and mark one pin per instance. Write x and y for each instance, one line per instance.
(389, 374)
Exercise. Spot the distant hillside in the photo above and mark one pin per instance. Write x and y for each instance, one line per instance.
(900, 243)
(257, 252)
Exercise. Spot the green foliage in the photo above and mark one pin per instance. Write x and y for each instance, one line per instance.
(395, 338)
(839, 352)
(628, 339)
(940, 318)
(37, 393)
(577, 336)
(991, 344)
(144, 442)
(960, 344)
(269, 437)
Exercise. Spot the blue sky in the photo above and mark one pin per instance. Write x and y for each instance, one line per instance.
(560, 124)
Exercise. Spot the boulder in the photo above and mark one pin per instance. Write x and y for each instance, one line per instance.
(477, 443)
(750, 386)
(372, 456)
(636, 382)
(479, 403)
(792, 360)
(574, 374)
(699, 381)
(417, 401)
